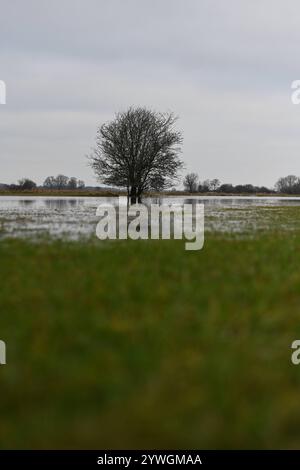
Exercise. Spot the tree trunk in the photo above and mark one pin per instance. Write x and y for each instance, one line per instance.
(139, 195)
(133, 195)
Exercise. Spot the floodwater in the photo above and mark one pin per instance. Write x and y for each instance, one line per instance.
(75, 217)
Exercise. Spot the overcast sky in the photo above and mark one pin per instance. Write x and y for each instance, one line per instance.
(224, 67)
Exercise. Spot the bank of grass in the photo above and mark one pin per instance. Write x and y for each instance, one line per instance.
(145, 345)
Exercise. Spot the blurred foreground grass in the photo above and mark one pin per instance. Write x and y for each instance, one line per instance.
(142, 344)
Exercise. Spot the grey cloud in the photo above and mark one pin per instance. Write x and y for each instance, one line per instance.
(224, 67)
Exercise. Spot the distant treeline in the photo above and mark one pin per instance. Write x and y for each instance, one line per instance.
(51, 182)
(63, 182)
(193, 185)
(286, 185)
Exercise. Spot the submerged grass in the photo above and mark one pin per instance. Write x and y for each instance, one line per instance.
(142, 344)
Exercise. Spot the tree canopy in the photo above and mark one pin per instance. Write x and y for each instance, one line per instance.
(138, 150)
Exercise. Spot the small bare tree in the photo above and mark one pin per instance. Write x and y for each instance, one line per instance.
(72, 183)
(62, 181)
(26, 184)
(138, 150)
(214, 184)
(80, 184)
(288, 184)
(190, 182)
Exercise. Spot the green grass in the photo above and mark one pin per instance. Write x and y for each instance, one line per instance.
(145, 345)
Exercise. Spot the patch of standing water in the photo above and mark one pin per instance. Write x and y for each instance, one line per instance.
(75, 218)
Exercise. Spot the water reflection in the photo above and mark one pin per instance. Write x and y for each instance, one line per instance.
(26, 203)
(62, 204)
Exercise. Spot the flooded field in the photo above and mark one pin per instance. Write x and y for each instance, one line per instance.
(75, 218)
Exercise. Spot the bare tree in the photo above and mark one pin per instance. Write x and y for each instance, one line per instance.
(214, 184)
(62, 181)
(190, 182)
(72, 183)
(288, 184)
(26, 184)
(50, 182)
(80, 184)
(138, 150)
(204, 187)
